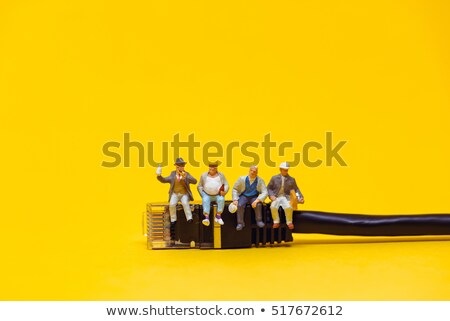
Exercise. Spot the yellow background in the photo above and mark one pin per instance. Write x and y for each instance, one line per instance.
(77, 74)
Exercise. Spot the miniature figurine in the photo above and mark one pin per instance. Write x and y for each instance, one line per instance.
(249, 189)
(179, 181)
(279, 189)
(213, 187)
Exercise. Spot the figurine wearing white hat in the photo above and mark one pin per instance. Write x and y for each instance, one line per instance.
(249, 189)
(179, 190)
(279, 189)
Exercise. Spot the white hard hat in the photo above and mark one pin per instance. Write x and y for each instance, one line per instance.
(232, 208)
(284, 165)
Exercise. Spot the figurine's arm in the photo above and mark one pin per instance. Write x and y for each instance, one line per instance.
(263, 191)
(160, 178)
(225, 182)
(270, 189)
(200, 186)
(297, 191)
(190, 179)
(163, 179)
(236, 189)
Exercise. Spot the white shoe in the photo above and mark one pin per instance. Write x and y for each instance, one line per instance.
(206, 222)
(219, 220)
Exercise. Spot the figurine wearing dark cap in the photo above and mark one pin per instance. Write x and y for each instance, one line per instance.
(284, 192)
(212, 187)
(179, 190)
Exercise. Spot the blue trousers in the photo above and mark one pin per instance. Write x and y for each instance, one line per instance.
(243, 201)
(207, 199)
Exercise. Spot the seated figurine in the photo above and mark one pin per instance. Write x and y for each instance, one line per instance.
(213, 187)
(279, 189)
(249, 189)
(179, 189)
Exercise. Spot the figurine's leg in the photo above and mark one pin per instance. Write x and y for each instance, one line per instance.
(242, 202)
(220, 205)
(173, 207)
(206, 202)
(288, 210)
(274, 211)
(258, 213)
(186, 207)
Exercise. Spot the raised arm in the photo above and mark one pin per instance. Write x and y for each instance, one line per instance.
(160, 178)
(163, 179)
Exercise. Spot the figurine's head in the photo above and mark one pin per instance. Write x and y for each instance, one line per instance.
(253, 172)
(179, 164)
(284, 168)
(213, 168)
